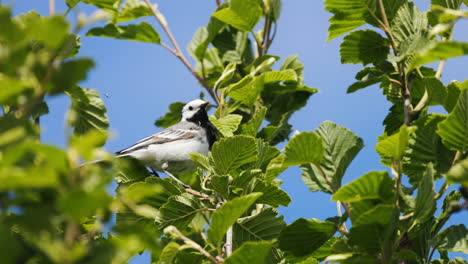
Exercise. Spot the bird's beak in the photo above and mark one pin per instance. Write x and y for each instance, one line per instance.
(205, 105)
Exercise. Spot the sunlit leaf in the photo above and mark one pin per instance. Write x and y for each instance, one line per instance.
(373, 185)
(340, 147)
(179, 211)
(458, 173)
(454, 129)
(306, 147)
(227, 125)
(250, 252)
(87, 111)
(364, 46)
(303, 236)
(227, 215)
(143, 32)
(230, 153)
(241, 14)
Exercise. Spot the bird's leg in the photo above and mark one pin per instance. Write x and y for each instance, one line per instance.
(164, 168)
(154, 173)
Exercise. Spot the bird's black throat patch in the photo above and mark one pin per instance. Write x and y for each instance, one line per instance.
(201, 118)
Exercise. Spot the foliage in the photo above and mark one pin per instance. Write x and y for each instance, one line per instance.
(54, 210)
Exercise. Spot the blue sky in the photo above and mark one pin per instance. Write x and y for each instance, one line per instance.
(140, 80)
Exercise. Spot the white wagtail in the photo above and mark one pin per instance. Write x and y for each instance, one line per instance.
(172, 146)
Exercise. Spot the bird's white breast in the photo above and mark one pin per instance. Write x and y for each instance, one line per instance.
(177, 152)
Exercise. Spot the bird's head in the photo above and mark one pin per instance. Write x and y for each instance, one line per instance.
(195, 111)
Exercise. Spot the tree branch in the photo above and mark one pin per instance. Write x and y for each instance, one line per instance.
(405, 91)
(178, 52)
(51, 7)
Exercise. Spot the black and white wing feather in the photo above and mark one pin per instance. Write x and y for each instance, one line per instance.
(180, 131)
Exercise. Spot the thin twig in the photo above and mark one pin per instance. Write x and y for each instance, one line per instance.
(228, 245)
(178, 52)
(51, 7)
(396, 170)
(332, 188)
(343, 229)
(190, 243)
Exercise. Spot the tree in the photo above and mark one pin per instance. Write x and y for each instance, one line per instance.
(53, 210)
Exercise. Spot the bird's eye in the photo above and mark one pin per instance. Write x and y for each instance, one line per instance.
(190, 108)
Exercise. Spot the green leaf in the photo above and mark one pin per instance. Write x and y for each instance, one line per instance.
(143, 32)
(169, 253)
(172, 116)
(108, 5)
(454, 129)
(230, 153)
(277, 133)
(347, 15)
(52, 31)
(227, 215)
(408, 23)
(424, 147)
(373, 185)
(32, 165)
(375, 229)
(305, 147)
(453, 92)
(458, 173)
(425, 204)
(69, 74)
(241, 14)
(250, 252)
(179, 211)
(391, 148)
(16, 90)
(133, 9)
(454, 238)
(253, 125)
(364, 46)
(303, 236)
(294, 64)
(272, 194)
(72, 3)
(129, 170)
(87, 111)
(351, 14)
(340, 147)
(79, 204)
(202, 161)
(227, 125)
(452, 4)
(220, 184)
(440, 51)
(258, 227)
(367, 77)
(14, 131)
(265, 154)
(203, 37)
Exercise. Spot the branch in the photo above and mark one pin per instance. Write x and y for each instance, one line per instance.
(190, 243)
(333, 189)
(51, 7)
(396, 170)
(405, 91)
(228, 245)
(178, 52)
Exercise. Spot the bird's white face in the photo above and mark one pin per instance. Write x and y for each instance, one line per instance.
(191, 108)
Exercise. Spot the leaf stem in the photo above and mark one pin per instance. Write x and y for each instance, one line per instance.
(178, 52)
(332, 188)
(396, 170)
(190, 243)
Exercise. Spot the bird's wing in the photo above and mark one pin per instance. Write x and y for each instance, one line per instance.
(183, 130)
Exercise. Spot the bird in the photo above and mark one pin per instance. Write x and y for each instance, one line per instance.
(169, 150)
